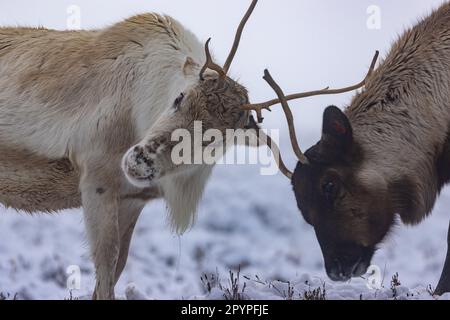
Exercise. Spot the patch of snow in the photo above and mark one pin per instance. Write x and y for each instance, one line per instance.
(250, 222)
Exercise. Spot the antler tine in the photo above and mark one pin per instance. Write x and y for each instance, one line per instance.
(290, 118)
(238, 36)
(264, 138)
(259, 107)
(209, 64)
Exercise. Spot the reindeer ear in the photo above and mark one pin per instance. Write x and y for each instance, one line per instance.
(337, 131)
(190, 67)
(337, 138)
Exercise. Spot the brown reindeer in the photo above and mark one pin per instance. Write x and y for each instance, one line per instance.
(388, 154)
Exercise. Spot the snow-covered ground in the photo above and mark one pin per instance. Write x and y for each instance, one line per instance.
(245, 219)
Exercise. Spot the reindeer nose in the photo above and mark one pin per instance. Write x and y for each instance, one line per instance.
(344, 272)
(336, 272)
(359, 269)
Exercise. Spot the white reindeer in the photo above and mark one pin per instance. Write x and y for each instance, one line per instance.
(73, 103)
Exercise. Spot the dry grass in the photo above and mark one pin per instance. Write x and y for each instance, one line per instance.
(233, 290)
(71, 297)
(8, 296)
(318, 294)
(431, 290)
(395, 282)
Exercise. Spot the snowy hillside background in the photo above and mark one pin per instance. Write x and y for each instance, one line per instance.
(245, 219)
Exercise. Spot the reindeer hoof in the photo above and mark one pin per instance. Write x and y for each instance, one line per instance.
(444, 282)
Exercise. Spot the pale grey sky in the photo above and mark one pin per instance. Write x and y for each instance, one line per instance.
(307, 44)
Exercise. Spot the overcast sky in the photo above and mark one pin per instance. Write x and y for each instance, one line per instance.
(307, 44)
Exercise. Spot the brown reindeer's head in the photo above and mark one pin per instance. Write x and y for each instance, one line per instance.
(345, 203)
(213, 99)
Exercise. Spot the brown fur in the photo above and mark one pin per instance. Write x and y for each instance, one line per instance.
(394, 155)
(39, 185)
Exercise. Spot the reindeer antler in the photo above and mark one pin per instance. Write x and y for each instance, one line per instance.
(237, 39)
(210, 63)
(223, 71)
(290, 118)
(259, 107)
(264, 139)
(276, 153)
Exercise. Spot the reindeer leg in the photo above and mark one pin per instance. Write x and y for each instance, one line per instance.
(131, 205)
(444, 282)
(100, 198)
(128, 215)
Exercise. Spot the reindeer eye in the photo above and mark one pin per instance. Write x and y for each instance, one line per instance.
(178, 101)
(328, 190)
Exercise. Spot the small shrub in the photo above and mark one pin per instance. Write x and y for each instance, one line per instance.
(210, 282)
(318, 294)
(232, 291)
(71, 297)
(8, 296)
(395, 283)
(290, 292)
(430, 290)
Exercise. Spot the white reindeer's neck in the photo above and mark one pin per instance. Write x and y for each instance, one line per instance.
(161, 78)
